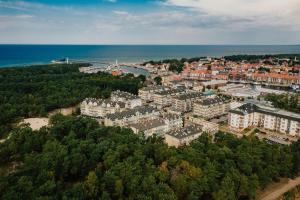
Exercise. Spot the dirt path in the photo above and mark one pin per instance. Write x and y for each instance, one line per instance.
(278, 189)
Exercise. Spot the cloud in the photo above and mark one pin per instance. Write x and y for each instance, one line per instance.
(260, 12)
(171, 21)
(34, 7)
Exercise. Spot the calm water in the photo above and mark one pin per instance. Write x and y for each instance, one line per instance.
(16, 55)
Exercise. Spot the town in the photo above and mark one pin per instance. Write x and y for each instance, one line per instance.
(182, 99)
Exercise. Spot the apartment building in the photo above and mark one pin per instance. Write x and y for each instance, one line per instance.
(173, 121)
(130, 100)
(183, 136)
(164, 98)
(131, 116)
(146, 93)
(184, 103)
(265, 117)
(150, 127)
(158, 126)
(207, 126)
(209, 108)
(100, 107)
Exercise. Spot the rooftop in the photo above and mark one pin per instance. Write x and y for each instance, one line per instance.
(133, 112)
(171, 116)
(189, 96)
(154, 87)
(100, 102)
(212, 101)
(171, 91)
(250, 108)
(186, 131)
(149, 124)
(121, 94)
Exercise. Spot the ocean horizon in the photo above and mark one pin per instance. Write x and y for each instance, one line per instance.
(29, 54)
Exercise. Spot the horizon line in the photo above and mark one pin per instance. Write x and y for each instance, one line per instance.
(146, 44)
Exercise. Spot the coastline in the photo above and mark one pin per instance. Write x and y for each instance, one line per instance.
(23, 55)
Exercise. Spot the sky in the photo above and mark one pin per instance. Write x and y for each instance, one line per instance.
(150, 22)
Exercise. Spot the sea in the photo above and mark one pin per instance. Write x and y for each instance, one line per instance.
(23, 55)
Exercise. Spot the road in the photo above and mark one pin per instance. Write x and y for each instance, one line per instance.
(275, 191)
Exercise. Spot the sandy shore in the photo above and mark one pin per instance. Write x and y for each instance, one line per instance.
(36, 123)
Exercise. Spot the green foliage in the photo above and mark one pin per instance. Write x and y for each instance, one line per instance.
(176, 67)
(158, 80)
(36, 90)
(264, 69)
(79, 159)
(256, 58)
(290, 102)
(175, 64)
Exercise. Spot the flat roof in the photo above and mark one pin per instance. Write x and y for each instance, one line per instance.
(189, 96)
(211, 101)
(149, 124)
(186, 131)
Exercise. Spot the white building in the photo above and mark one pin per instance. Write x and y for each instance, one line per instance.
(164, 98)
(265, 117)
(100, 107)
(131, 116)
(158, 126)
(130, 100)
(207, 126)
(146, 93)
(183, 136)
(118, 102)
(212, 107)
(184, 103)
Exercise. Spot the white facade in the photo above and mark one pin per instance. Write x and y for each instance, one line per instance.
(211, 107)
(100, 108)
(274, 120)
(130, 100)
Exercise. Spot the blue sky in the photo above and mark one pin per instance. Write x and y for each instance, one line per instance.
(150, 21)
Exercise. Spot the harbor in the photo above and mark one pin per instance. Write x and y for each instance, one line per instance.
(114, 68)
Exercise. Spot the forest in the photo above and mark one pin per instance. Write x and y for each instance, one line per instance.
(290, 102)
(76, 158)
(257, 58)
(177, 64)
(35, 90)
